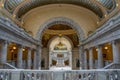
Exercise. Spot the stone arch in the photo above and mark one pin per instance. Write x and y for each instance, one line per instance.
(60, 20)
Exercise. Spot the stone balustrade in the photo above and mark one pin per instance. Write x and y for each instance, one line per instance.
(109, 74)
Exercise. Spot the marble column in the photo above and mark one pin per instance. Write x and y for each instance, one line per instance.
(3, 54)
(19, 57)
(38, 57)
(116, 54)
(50, 59)
(85, 59)
(90, 58)
(100, 57)
(70, 59)
(81, 52)
(29, 58)
(35, 60)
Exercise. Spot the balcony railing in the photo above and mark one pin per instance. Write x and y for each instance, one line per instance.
(60, 75)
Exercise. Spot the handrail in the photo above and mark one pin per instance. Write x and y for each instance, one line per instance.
(102, 74)
(7, 66)
(106, 67)
(113, 66)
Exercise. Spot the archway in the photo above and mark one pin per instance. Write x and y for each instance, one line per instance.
(60, 55)
(61, 21)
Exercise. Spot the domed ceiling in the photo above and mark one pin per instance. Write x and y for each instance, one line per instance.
(88, 14)
(99, 7)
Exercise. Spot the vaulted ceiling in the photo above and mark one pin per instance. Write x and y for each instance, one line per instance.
(20, 7)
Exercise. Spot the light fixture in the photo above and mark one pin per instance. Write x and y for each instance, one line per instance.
(117, 4)
(96, 49)
(2, 5)
(105, 15)
(23, 49)
(106, 48)
(97, 22)
(14, 47)
(14, 15)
